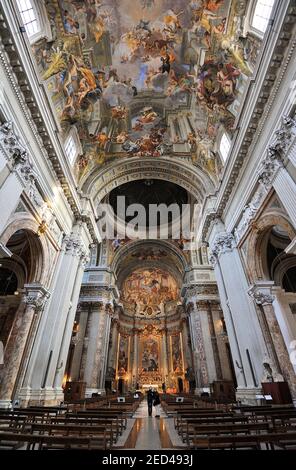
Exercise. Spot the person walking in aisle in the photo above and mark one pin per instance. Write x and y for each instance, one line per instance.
(150, 398)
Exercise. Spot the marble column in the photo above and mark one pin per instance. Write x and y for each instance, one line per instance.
(203, 309)
(78, 343)
(97, 338)
(68, 326)
(221, 338)
(199, 354)
(32, 305)
(266, 300)
(112, 355)
(109, 312)
(48, 358)
(285, 188)
(245, 337)
(214, 342)
(185, 339)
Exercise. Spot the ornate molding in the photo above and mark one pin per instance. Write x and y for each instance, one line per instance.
(223, 242)
(249, 213)
(276, 151)
(192, 291)
(11, 146)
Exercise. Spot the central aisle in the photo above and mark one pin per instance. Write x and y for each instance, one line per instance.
(149, 436)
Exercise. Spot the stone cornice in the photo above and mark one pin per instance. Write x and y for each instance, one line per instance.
(260, 109)
(94, 293)
(199, 290)
(13, 58)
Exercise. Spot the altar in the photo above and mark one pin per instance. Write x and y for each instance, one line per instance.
(145, 387)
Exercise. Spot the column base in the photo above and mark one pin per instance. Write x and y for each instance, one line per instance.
(41, 397)
(90, 391)
(247, 396)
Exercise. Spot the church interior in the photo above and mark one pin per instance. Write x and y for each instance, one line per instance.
(147, 224)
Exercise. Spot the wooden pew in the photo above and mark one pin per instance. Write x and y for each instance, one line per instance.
(43, 442)
(101, 433)
(195, 431)
(183, 427)
(93, 414)
(113, 421)
(253, 441)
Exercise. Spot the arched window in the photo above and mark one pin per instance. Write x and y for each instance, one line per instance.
(225, 144)
(261, 15)
(34, 19)
(29, 17)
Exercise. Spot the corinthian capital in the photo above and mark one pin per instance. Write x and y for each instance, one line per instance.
(73, 244)
(35, 296)
(222, 243)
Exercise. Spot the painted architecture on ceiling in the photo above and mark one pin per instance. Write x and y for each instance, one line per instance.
(146, 78)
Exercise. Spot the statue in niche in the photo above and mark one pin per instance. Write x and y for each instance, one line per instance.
(269, 374)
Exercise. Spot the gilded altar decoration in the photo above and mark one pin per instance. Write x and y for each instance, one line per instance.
(149, 290)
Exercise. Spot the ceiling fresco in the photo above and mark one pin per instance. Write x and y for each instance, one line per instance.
(105, 56)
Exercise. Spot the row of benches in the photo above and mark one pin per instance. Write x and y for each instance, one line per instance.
(240, 428)
(56, 428)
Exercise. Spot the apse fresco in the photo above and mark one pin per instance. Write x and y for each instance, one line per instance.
(105, 55)
(150, 355)
(147, 291)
